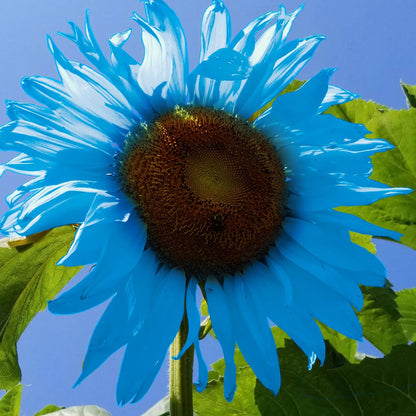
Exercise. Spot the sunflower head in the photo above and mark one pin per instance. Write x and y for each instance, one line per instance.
(210, 188)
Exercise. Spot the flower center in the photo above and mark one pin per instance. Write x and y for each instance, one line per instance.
(210, 188)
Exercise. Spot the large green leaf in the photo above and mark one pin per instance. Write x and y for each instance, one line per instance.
(343, 345)
(372, 387)
(28, 278)
(10, 402)
(396, 167)
(211, 401)
(406, 299)
(380, 316)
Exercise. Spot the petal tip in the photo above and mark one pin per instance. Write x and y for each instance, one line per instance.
(200, 386)
(230, 395)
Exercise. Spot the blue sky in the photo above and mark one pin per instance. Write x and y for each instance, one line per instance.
(368, 41)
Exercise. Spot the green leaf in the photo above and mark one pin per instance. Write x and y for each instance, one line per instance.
(211, 401)
(396, 167)
(410, 92)
(372, 387)
(380, 318)
(48, 409)
(204, 308)
(10, 402)
(28, 278)
(363, 241)
(406, 299)
(343, 345)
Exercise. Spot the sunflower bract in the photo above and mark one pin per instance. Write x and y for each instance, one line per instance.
(72, 143)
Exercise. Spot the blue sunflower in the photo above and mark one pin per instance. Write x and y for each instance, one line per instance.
(177, 181)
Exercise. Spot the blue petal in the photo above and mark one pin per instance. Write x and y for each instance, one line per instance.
(344, 285)
(52, 93)
(123, 68)
(193, 335)
(320, 130)
(124, 316)
(126, 68)
(302, 103)
(24, 164)
(224, 330)
(243, 49)
(336, 96)
(352, 223)
(366, 278)
(88, 45)
(267, 292)
(146, 351)
(213, 90)
(253, 334)
(165, 48)
(104, 213)
(263, 52)
(93, 92)
(53, 206)
(111, 333)
(323, 303)
(39, 141)
(333, 245)
(265, 86)
(84, 135)
(315, 162)
(311, 196)
(245, 40)
(123, 245)
(215, 29)
(268, 43)
(8, 222)
(21, 191)
(224, 65)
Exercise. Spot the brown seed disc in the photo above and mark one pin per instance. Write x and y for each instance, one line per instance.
(210, 188)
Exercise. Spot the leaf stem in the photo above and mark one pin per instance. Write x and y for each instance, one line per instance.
(180, 383)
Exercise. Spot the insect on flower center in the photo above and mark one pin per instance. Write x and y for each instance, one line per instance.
(210, 188)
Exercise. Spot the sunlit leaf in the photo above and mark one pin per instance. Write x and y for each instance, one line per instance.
(345, 346)
(10, 402)
(406, 299)
(372, 387)
(28, 278)
(380, 318)
(396, 167)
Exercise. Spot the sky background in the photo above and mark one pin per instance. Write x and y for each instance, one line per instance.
(371, 43)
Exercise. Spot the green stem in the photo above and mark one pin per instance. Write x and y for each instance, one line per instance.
(180, 383)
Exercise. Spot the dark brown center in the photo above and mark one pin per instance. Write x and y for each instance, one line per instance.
(210, 188)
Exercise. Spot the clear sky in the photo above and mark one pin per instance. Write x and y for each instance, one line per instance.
(371, 42)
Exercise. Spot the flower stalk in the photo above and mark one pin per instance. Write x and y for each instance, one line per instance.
(180, 378)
